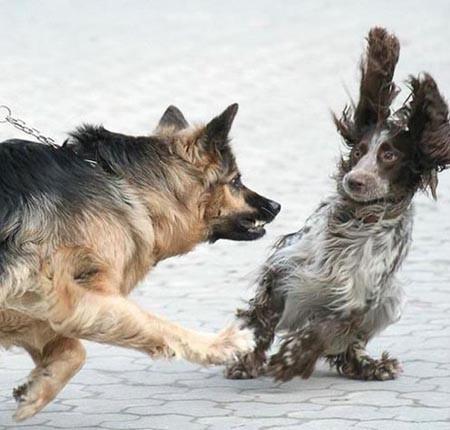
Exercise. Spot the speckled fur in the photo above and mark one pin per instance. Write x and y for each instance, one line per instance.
(329, 288)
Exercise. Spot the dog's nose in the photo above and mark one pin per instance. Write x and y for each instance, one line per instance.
(355, 184)
(274, 207)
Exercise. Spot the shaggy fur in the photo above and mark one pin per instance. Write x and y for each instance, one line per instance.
(330, 287)
(82, 224)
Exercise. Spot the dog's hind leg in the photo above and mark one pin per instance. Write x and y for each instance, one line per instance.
(56, 358)
(262, 317)
(56, 364)
(354, 361)
(87, 309)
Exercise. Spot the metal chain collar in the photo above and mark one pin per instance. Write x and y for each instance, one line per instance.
(5, 116)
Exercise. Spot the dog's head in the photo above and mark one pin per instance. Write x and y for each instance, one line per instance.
(391, 156)
(229, 209)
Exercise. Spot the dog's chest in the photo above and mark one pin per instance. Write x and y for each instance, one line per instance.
(349, 264)
(376, 257)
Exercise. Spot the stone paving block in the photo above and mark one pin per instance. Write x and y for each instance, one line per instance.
(327, 424)
(377, 397)
(192, 408)
(233, 422)
(156, 422)
(398, 425)
(356, 412)
(431, 399)
(425, 413)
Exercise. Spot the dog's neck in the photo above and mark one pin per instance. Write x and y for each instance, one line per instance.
(161, 179)
(176, 221)
(369, 213)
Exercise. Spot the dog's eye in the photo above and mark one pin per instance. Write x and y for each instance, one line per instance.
(357, 154)
(236, 182)
(389, 156)
(359, 151)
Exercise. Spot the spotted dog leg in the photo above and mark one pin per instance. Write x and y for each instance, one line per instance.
(355, 363)
(297, 356)
(262, 317)
(300, 349)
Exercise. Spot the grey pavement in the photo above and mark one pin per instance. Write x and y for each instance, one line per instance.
(287, 63)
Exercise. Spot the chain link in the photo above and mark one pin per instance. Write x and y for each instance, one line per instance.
(22, 126)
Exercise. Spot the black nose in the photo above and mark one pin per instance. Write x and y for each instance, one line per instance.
(274, 207)
(355, 184)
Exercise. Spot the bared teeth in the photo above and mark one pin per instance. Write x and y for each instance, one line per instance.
(259, 223)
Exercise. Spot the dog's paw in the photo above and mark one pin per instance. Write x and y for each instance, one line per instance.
(385, 368)
(223, 347)
(31, 398)
(20, 391)
(249, 366)
(367, 368)
(229, 344)
(214, 348)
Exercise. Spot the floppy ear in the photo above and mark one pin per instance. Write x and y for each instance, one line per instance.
(429, 128)
(173, 117)
(376, 91)
(217, 130)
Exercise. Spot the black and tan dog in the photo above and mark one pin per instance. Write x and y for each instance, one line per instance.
(82, 224)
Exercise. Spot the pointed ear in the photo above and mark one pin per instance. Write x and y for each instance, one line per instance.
(217, 130)
(428, 123)
(376, 90)
(173, 117)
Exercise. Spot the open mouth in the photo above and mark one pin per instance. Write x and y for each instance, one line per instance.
(244, 226)
(254, 227)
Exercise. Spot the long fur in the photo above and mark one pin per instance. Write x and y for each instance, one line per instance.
(331, 286)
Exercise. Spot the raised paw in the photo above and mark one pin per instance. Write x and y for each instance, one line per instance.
(31, 397)
(230, 343)
(35, 394)
(220, 348)
(20, 391)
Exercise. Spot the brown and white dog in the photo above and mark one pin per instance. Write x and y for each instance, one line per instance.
(330, 287)
(82, 224)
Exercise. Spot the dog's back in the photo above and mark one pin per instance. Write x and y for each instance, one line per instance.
(47, 196)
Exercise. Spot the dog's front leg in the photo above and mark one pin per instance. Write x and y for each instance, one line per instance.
(262, 316)
(115, 320)
(297, 356)
(300, 349)
(356, 363)
(92, 309)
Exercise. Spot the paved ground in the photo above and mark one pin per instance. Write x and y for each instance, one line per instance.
(286, 63)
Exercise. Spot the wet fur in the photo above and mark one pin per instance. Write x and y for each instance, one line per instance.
(82, 224)
(331, 287)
